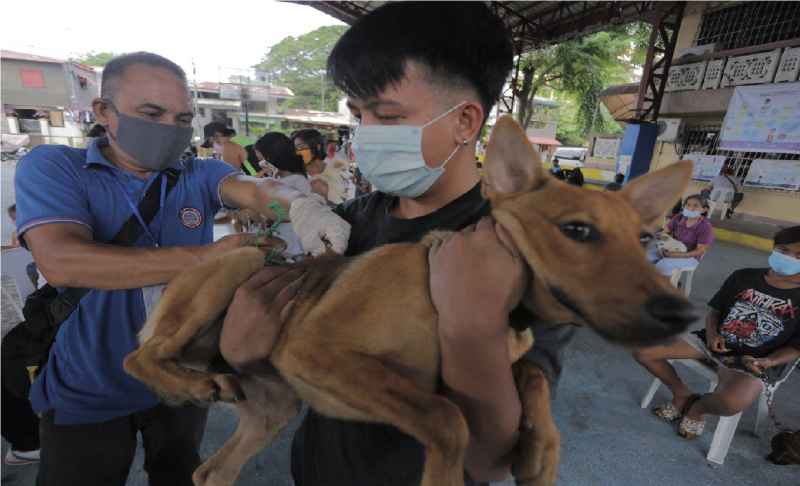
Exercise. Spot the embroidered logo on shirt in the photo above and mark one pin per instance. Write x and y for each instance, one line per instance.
(191, 217)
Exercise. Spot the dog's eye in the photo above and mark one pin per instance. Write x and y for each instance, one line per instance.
(582, 232)
(645, 239)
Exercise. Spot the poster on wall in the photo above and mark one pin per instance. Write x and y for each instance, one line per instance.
(764, 118)
(774, 174)
(606, 148)
(706, 167)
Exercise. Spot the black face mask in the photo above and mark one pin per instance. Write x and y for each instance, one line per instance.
(154, 146)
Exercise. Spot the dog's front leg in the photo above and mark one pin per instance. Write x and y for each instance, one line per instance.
(270, 405)
(539, 443)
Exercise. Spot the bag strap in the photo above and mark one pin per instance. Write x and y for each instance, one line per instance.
(67, 301)
(248, 167)
(735, 187)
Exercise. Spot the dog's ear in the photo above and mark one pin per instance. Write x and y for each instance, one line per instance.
(653, 194)
(512, 164)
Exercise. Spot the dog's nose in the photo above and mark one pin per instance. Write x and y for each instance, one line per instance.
(674, 313)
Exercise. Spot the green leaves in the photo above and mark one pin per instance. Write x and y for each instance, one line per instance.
(578, 71)
(93, 58)
(299, 64)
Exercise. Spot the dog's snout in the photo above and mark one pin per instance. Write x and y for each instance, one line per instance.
(674, 313)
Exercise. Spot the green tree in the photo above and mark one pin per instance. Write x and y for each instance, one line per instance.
(299, 63)
(93, 58)
(580, 69)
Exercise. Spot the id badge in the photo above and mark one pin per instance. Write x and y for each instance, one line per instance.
(151, 295)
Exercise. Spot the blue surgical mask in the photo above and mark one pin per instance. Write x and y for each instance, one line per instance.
(784, 264)
(390, 157)
(691, 214)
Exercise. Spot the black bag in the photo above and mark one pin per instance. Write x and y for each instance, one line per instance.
(785, 448)
(26, 348)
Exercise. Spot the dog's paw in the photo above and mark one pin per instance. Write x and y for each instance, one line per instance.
(217, 388)
(208, 474)
(537, 463)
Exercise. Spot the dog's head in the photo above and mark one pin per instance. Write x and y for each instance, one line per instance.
(585, 248)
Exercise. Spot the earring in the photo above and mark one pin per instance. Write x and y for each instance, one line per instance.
(464, 142)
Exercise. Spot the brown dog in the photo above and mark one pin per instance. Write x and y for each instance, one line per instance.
(376, 357)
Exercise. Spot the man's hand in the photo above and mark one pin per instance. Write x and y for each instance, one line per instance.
(716, 343)
(232, 242)
(476, 277)
(757, 365)
(256, 316)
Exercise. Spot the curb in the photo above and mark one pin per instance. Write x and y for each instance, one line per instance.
(743, 239)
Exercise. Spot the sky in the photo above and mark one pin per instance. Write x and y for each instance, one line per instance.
(221, 37)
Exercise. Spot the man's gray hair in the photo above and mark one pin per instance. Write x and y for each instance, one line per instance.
(115, 69)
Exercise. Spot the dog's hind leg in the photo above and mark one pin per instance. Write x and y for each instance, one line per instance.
(364, 388)
(191, 304)
(271, 403)
(539, 442)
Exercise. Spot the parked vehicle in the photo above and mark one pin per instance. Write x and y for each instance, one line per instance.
(570, 156)
(13, 146)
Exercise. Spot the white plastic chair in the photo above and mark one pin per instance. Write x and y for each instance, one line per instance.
(726, 427)
(720, 200)
(14, 263)
(682, 278)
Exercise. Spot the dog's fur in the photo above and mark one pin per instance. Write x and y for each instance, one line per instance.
(361, 341)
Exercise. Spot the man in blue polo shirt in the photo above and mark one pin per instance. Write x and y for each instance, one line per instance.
(71, 203)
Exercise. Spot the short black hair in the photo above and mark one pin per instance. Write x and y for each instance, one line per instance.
(12, 209)
(315, 141)
(461, 43)
(278, 150)
(787, 236)
(115, 69)
(252, 157)
(619, 178)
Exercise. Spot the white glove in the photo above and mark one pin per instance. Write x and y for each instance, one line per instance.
(313, 221)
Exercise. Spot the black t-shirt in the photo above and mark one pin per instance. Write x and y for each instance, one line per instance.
(757, 318)
(328, 451)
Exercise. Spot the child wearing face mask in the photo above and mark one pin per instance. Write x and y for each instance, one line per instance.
(692, 229)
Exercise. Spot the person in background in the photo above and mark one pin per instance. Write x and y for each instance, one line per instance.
(725, 188)
(20, 426)
(617, 184)
(226, 149)
(251, 165)
(690, 228)
(31, 269)
(279, 151)
(556, 169)
(752, 335)
(329, 180)
(575, 177)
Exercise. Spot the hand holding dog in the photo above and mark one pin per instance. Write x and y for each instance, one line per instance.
(256, 316)
(476, 280)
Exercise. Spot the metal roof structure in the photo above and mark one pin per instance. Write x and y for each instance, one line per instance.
(532, 24)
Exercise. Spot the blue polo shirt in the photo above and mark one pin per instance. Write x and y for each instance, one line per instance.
(84, 381)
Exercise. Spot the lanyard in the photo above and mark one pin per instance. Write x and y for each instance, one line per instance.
(136, 210)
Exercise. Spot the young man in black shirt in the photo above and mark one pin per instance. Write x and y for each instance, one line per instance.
(752, 334)
(421, 79)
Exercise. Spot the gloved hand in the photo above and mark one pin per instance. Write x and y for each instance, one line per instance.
(315, 223)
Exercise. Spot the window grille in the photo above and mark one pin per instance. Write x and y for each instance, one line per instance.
(705, 139)
(750, 24)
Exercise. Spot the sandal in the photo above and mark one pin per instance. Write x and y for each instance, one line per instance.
(667, 411)
(690, 428)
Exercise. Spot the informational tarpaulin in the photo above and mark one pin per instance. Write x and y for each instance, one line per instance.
(706, 167)
(776, 174)
(764, 118)
(606, 148)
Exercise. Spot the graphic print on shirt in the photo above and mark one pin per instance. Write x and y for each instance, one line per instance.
(756, 318)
